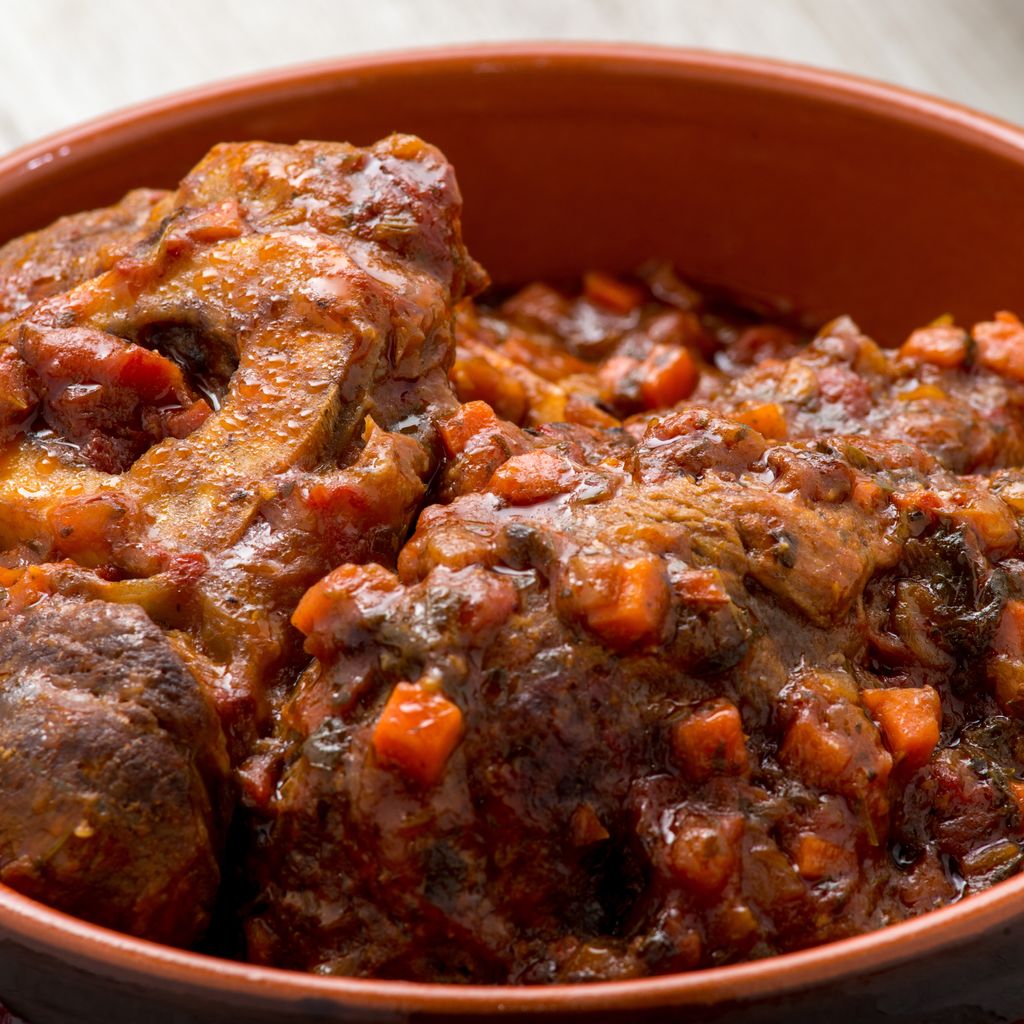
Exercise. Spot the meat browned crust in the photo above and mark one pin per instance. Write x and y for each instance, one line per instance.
(307, 292)
(628, 707)
(74, 249)
(208, 399)
(114, 772)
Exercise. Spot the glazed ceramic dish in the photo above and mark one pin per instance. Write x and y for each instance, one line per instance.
(789, 185)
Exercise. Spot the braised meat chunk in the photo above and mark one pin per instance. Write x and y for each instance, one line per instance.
(74, 249)
(640, 707)
(208, 399)
(114, 772)
(253, 387)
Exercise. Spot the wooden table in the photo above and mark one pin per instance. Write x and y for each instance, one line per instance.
(62, 61)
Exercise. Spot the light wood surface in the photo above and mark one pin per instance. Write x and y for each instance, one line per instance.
(62, 61)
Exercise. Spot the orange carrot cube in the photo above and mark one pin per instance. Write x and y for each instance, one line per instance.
(816, 752)
(477, 379)
(923, 393)
(711, 742)
(1001, 345)
(466, 422)
(417, 731)
(1009, 636)
(667, 375)
(1016, 788)
(605, 290)
(704, 853)
(336, 604)
(624, 603)
(942, 345)
(768, 419)
(910, 719)
(816, 858)
(532, 477)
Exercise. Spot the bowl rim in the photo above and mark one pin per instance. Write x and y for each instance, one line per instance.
(110, 953)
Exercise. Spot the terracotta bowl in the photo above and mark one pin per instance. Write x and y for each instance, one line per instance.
(829, 193)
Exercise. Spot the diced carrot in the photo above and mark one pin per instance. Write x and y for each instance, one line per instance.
(336, 605)
(477, 379)
(1005, 667)
(711, 742)
(469, 420)
(992, 522)
(16, 396)
(1016, 788)
(478, 442)
(923, 393)
(622, 603)
(615, 369)
(701, 587)
(1001, 345)
(617, 378)
(816, 752)
(605, 290)
(837, 748)
(942, 345)
(987, 516)
(910, 719)
(816, 858)
(532, 477)
(768, 419)
(704, 852)
(667, 375)
(1009, 635)
(1007, 678)
(417, 731)
(866, 494)
(24, 588)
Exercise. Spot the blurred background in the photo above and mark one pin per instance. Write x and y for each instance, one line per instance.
(62, 61)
